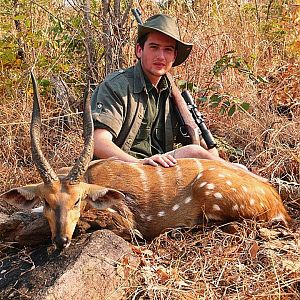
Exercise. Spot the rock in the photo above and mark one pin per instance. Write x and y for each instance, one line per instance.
(26, 228)
(95, 266)
(36, 232)
(9, 224)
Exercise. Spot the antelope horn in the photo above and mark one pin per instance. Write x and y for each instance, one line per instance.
(85, 157)
(42, 165)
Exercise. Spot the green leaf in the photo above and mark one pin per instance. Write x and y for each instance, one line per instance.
(215, 99)
(19, 18)
(217, 70)
(214, 104)
(232, 110)
(226, 104)
(245, 106)
(182, 83)
(44, 82)
(190, 86)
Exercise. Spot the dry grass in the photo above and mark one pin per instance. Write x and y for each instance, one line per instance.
(241, 261)
(251, 263)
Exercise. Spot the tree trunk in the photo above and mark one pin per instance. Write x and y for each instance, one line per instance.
(92, 64)
(115, 34)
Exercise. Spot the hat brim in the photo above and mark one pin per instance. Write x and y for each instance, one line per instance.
(183, 49)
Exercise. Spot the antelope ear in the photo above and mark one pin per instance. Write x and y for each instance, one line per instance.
(102, 198)
(24, 197)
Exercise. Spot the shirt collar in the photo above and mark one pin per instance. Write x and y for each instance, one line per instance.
(138, 79)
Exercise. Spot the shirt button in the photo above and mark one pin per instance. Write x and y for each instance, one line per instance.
(140, 116)
(129, 141)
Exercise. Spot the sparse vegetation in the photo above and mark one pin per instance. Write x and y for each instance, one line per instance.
(244, 70)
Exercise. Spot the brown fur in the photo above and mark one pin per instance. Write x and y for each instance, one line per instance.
(164, 190)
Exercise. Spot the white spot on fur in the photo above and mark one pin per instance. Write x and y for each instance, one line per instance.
(207, 193)
(210, 186)
(213, 217)
(175, 207)
(235, 207)
(216, 207)
(149, 218)
(161, 214)
(221, 175)
(244, 189)
(242, 206)
(228, 182)
(202, 184)
(161, 179)
(262, 191)
(199, 176)
(111, 210)
(187, 200)
(218, 195)
(199, 164)
(143, 177)
(142, 216)
(252, 201)
(234, 189)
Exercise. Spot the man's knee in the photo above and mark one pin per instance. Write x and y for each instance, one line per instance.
(214, 151)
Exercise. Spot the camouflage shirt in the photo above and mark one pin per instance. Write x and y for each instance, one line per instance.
(139, 116)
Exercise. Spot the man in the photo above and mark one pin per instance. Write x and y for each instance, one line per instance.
(134, 117)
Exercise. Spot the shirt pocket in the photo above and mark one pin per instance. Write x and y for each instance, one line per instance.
(144, 132)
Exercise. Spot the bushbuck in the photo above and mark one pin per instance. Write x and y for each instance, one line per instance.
(149, 199)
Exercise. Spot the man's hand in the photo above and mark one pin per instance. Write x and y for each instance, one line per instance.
(105, 148)
(165, 160)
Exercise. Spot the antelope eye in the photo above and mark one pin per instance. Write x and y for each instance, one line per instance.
(77, 203)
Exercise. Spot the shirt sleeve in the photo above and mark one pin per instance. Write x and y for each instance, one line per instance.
(107, 108)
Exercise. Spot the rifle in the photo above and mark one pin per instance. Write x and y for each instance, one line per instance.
(199, 120)
(137, 14)
(190, 118)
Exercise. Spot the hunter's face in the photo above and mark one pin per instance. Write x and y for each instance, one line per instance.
(158, 55)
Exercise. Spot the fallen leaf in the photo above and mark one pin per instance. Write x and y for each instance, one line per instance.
(253, 250)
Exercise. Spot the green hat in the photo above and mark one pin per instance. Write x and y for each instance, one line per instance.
(166, 25)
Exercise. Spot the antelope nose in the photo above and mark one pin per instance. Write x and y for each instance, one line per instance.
(61, 242)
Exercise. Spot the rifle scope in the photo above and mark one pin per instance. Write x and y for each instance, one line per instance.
(199, 119)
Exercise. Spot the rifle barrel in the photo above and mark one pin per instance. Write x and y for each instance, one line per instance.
(137, 14)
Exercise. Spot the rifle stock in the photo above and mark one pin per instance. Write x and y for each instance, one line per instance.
(189, 123)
